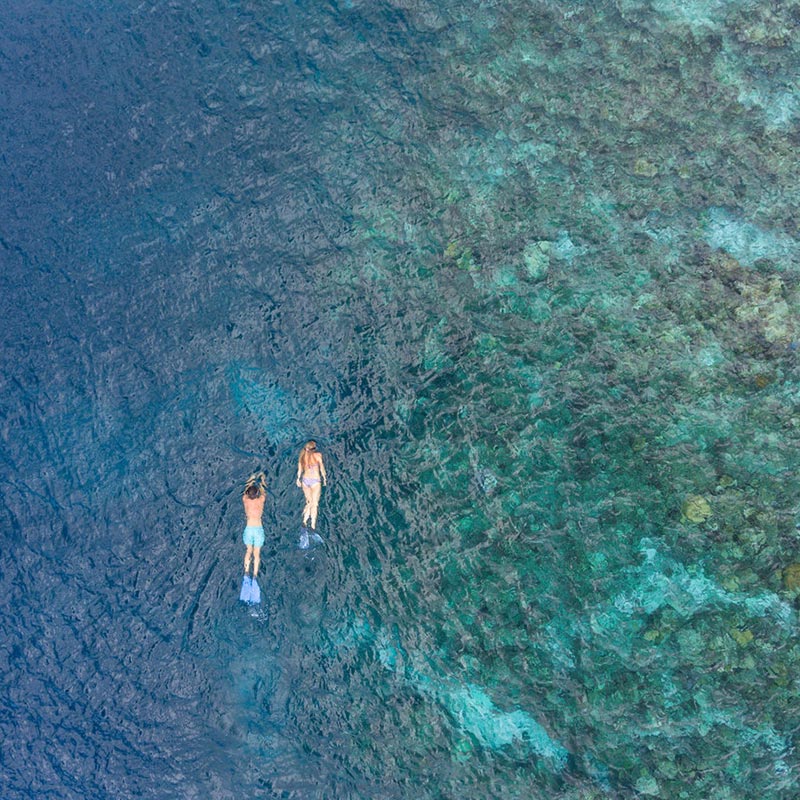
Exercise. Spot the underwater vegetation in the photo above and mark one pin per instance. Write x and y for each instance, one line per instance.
(602, 400)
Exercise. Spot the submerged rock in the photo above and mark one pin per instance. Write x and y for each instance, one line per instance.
(762, 303)
(485, 480)
(648, 785)
(763, 26)
(791, 578)
(536, 258)
(644, 168)
(725, 482)
(696, 508)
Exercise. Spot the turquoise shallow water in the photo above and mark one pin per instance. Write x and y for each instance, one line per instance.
(527, 272)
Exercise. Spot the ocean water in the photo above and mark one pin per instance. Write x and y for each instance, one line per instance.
(527, 272)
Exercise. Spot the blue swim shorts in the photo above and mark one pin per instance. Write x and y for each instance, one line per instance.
(253, 535)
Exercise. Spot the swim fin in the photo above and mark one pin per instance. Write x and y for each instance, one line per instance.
(304, 543)
(247, 584)
(255, 592)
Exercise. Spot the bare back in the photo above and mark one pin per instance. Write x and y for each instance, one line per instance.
(254, 508)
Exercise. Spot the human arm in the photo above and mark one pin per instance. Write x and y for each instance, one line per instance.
(257, 479)
(322, 471)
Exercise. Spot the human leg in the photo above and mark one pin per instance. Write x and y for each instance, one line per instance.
(247, 556)
(256, 560)
(307, 510)
(316, 491)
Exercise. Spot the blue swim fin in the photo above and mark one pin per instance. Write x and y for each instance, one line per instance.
(316, 538)
(247, 583)
(255, 592)
(304, 543)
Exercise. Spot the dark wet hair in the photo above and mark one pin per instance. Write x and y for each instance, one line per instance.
(252, 491)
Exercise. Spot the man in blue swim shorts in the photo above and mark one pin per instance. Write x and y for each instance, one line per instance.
(255, 493)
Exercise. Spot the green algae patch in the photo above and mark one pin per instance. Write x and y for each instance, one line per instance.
(741, 637)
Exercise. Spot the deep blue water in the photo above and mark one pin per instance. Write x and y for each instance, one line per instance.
(528, 274)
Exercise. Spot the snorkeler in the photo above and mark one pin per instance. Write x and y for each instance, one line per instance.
(255, 493)
(311, 478)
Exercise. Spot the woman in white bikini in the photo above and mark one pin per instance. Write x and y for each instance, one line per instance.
(311, 478)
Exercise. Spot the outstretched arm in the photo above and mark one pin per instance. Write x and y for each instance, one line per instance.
(322, 471)
(257, 478)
